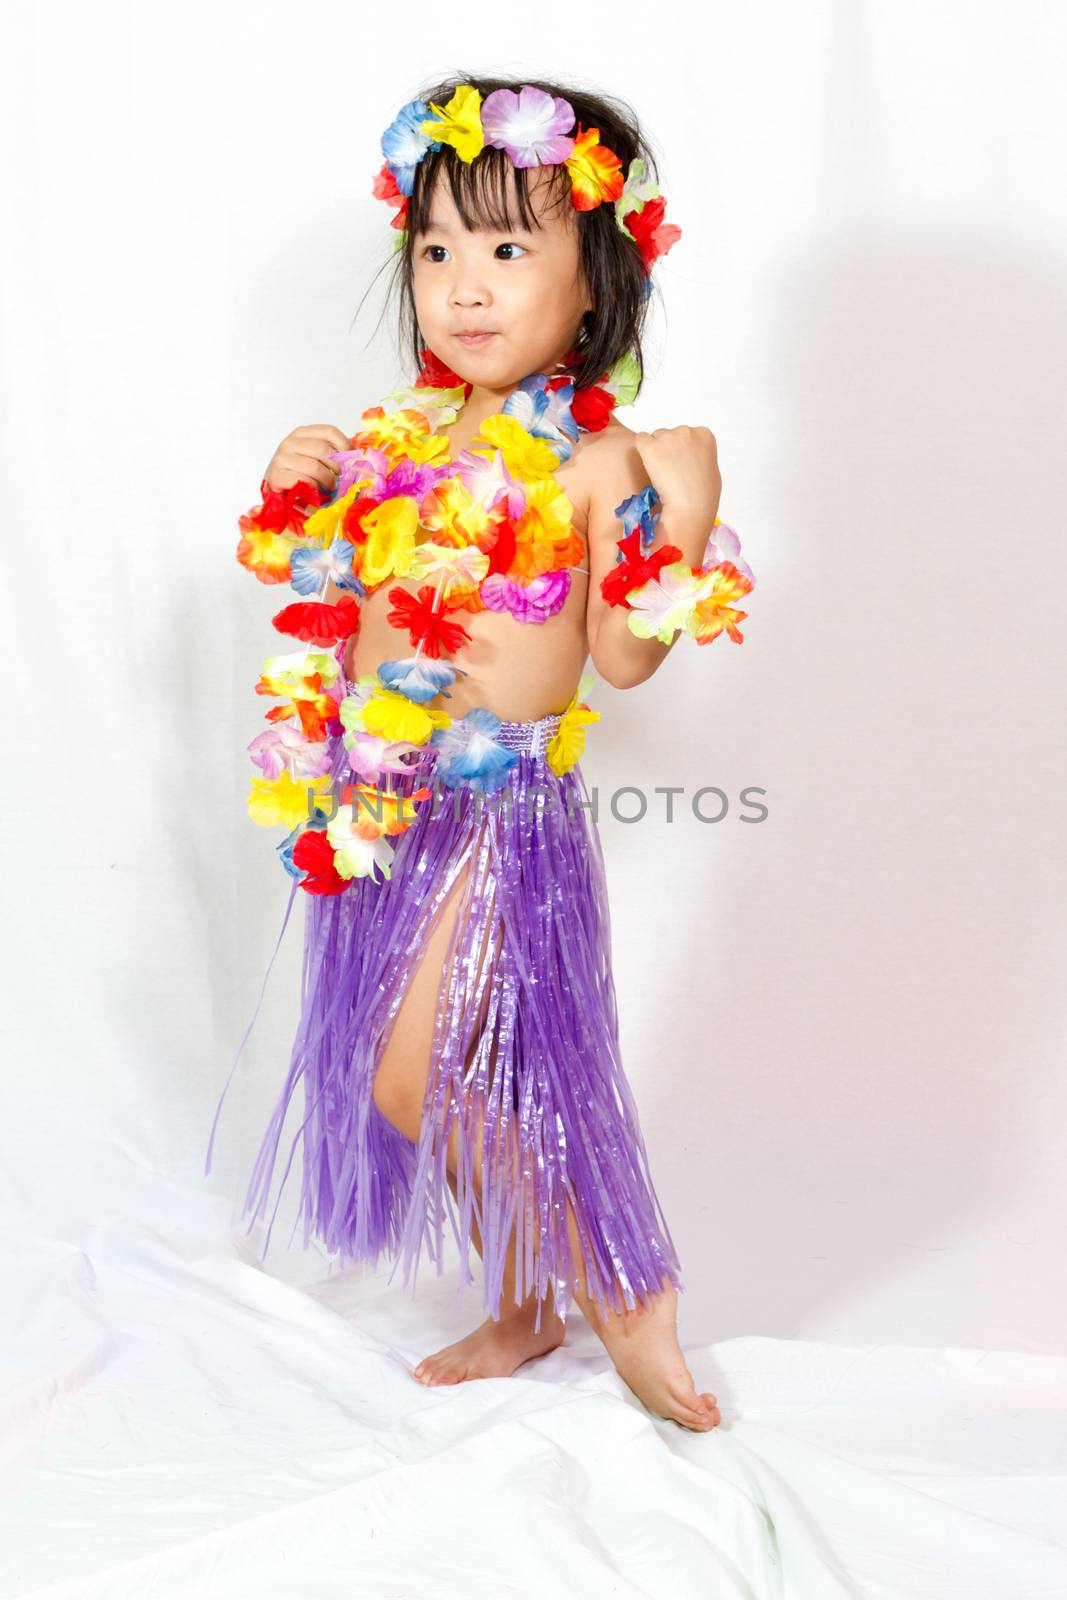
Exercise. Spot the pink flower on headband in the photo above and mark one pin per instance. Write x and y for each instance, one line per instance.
(531, 126)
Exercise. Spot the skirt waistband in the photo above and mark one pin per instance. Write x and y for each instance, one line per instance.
(528, 736)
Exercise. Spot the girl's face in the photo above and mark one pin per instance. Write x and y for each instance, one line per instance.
(525, 288)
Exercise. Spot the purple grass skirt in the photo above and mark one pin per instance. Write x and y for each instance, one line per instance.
(537, 1091)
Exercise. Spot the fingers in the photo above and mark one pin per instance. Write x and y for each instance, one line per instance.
(313, 464)
(305, 455)
(318, 442)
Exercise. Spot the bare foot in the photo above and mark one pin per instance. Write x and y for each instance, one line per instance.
(643, 1344)
(495, 1349)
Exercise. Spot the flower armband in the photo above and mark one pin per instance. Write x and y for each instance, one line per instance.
(662, 592)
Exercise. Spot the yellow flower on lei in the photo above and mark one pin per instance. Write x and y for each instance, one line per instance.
(459, 123)
(390, 548)
(568, 742)
(390, 714)
(404, 432)
(524, 456)
(284, 799)
(453, 515)
(324, 524)
(717, 612)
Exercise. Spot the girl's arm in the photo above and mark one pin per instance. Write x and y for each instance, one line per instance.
(619, 656)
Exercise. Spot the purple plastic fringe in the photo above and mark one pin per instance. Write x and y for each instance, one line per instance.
(545, 1067)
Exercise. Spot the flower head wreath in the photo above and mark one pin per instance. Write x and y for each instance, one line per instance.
(535, 129)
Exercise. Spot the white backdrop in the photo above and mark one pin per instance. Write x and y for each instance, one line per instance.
(844, 1025)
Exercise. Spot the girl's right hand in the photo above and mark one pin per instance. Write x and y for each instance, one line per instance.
(303, 454)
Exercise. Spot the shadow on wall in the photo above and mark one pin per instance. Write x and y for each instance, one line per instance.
(869, 1028)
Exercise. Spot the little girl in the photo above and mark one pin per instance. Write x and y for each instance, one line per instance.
(458, 1038)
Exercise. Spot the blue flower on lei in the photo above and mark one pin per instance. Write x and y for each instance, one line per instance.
(639, 512)
(417, 677)
(545, 413)
(468, 753)
(309, 569)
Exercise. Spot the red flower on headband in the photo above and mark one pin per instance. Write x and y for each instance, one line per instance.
(424, 624)
(651, 234)
(384, 188)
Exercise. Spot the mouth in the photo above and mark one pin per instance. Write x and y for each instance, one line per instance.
(474, 339)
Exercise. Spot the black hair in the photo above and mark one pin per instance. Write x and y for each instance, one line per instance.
(609, 260)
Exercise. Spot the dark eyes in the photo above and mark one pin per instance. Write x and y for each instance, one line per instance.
(510, 245)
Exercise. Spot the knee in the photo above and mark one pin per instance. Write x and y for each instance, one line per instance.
(397, 1105)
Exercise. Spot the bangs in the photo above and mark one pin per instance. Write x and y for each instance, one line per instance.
(484, 190)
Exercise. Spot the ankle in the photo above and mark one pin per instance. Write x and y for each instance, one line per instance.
(513, 1316)
(618, 1327)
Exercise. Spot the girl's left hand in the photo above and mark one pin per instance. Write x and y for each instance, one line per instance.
(683, 467)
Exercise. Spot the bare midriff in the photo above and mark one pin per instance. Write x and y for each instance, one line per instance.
(521, 671)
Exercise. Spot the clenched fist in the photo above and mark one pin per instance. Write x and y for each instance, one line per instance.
(304, 455)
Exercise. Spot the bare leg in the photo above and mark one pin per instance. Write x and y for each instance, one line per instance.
(497, 1347)
(643, 1344)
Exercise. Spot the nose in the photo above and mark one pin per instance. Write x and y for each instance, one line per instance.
(464, 294)
(468, 287)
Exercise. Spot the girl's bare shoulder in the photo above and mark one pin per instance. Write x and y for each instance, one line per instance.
(601, 451)
(605, 456)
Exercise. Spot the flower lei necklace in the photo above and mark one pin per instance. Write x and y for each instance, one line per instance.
(491, 530)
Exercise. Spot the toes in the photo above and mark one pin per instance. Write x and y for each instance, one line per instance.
(698, 1412)
(714, 1415)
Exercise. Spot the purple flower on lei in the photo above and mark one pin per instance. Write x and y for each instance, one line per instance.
(468, 753)
(531, 126)
(362, 463)
(281, 748)
(371, 756)
(725, 545)
(535, 601)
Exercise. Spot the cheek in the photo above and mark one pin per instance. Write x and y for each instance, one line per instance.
(427, 304)
(536, 293)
